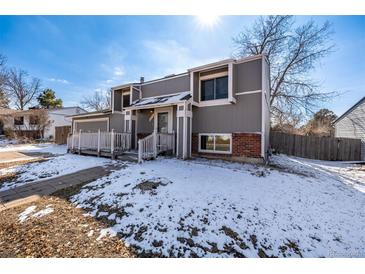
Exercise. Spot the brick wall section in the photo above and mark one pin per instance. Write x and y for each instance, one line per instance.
(243, 144)
(246, 144)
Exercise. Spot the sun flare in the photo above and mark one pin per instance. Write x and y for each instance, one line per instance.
(207, 20)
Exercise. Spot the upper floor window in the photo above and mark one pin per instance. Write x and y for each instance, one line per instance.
(19, 121)
(126, 101)
(214, 88)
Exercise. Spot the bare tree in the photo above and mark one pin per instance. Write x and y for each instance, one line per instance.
(22, 88)
(4, 98)
(292, 53)
(97, 102)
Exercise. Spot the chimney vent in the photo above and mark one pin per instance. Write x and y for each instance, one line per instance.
(141, 79)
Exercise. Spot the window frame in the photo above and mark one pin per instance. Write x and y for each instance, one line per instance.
(125, 93)
(19, 117)
(211, 77)
(214, 136)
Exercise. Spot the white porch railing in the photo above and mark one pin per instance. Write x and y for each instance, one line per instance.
(99, 141)
(155, 143)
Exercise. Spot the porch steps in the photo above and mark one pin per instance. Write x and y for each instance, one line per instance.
(130, 156)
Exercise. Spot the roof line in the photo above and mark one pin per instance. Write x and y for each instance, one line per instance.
(350, 109)
(217, 63)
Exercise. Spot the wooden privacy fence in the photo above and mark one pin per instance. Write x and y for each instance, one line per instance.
(61, 134)
(321, 148)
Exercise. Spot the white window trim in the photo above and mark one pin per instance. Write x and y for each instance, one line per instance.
(218, 102)
(215, 151)
(169, 110)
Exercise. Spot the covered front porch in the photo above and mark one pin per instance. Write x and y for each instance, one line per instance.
(160, 125)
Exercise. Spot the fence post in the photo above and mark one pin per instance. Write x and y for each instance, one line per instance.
(80, 141)
(112, 143)
(139, 151)
(99, 142)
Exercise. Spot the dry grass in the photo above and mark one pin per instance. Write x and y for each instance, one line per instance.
(62, 233)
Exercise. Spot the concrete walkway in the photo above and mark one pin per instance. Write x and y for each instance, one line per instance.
(32, 191)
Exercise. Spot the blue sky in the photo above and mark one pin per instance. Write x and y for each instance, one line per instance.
(76, 55)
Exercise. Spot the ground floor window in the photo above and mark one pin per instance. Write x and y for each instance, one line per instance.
(19, 121)
(216, 143)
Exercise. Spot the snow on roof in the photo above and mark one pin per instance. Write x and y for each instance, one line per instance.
(162, 100)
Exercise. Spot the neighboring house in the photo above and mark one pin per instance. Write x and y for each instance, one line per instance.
(351, 124)
(28, 120)
(219, 109)
(60, 117)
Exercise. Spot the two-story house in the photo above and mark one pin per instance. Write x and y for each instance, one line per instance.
(220, 109)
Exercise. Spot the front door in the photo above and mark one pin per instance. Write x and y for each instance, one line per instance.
(162, 122)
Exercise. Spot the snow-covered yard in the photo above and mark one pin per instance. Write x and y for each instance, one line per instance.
(209, 208)
(59, 164)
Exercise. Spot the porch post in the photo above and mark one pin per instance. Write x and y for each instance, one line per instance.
(72, 140)
(112, 141)
(154, 144)
(185, 132)
(139, 151)
(173, 142)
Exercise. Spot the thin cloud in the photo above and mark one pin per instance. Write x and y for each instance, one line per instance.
(62, 81)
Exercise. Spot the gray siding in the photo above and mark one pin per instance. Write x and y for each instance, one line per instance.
(353, 126)
(244, 116)
(135, 95)
(266, 90)
(247, 76)
(165, 87)
(91, 126)
(196, 87)
(117, 122)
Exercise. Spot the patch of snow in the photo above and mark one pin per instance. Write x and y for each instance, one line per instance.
(43, 212)
(43, 147)
(54, 167)
(112, 216)
(106, 232)
(29, 210)
(25, 214)
(345, 172)
(6, 142)
(292, 209)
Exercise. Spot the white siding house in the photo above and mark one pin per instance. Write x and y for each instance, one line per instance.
(60, 117)
(352, 124)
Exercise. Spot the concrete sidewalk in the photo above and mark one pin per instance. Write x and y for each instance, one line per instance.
(32, 191)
